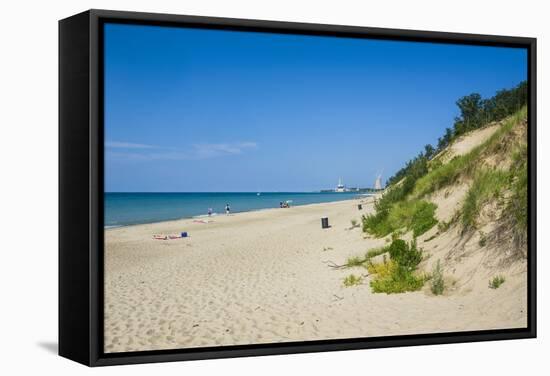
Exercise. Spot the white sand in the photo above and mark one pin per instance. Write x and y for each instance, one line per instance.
(465, 143)
(263, 277)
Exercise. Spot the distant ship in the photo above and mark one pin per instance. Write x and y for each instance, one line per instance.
(340, 187)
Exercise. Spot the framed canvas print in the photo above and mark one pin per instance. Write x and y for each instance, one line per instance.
(238, 187)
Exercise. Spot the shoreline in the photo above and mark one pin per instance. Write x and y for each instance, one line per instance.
(217, 215)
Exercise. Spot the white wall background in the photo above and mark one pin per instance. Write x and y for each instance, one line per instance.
(28, 188)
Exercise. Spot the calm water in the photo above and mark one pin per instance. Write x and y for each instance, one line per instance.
(132, 208)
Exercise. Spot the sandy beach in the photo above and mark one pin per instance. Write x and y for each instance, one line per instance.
(264, 277)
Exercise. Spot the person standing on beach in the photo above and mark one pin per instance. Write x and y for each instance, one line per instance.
(227, 209)
(209, 212)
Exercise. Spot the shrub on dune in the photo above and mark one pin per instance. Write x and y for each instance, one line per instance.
(398, 274)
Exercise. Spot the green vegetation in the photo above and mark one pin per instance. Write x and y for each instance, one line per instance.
(352, 280)
(423, 218)
(397, 282)
(487, 185)
(464, 165)
(398, 275)
(415, 215)
(496, 282)
(446, 174)
(358, 261)
(354, 261)
(517, 204)
(437, 284)
(402, 206)
(383, 269)
(376, 252)
(407, 256)
(475, 113)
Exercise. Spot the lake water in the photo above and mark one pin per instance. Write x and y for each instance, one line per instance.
(123, 209)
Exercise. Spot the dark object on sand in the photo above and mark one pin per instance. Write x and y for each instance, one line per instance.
(324, 222)
(360, 206)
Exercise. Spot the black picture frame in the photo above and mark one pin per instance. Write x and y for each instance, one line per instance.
(81, 187)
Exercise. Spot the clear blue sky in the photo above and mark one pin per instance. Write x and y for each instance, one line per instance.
(189, 110)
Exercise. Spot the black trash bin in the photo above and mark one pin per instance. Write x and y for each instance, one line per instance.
(324, 222)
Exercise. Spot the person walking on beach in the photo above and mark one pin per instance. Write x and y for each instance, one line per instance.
(209, 212)
(227, 209)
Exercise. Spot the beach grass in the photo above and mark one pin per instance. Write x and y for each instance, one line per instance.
(415, 215)
(487, 185)
(375, 252)
(437, 283)
(363, 261)
(403, 206)
(354, 261)
(496, 282)
(352, 280)
(517, 205)
(446, 174)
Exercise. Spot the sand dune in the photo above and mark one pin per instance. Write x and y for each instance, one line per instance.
(262, 277)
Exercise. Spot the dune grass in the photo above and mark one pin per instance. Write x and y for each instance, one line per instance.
(415, 215)
(517, 204)
(354, 261)
(437, 283)
(496, 282)
(352, 280)
(487, 185)
(376, 252)
(448, 173)
(445, 175)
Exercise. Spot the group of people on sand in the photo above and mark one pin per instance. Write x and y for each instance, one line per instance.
(284, 204)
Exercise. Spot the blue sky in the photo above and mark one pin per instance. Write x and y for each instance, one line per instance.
(190, 110)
